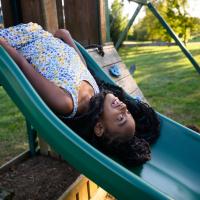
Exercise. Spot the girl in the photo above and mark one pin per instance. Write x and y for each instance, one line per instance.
(100, 113)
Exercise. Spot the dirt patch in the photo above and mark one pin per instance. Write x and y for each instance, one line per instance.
(38, 178)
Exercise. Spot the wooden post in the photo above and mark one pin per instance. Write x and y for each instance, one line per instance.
(31, 12)
(42, 12)
(86, 20)
(49, 11)
(60, 14)
(102, 21)
(7, 13)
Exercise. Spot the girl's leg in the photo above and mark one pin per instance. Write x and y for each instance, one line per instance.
(66, 37)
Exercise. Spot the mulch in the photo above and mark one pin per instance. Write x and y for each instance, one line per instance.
(194, 128)
(38, 178)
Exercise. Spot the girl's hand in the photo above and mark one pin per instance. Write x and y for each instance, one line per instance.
(60, 33)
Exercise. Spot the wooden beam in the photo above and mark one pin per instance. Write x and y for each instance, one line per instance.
(14, 161)
(42, 12)
(83, 189)
(49, 11)
(86, 20)
(111, 57)
(60, 14)
(7, 13)
(81, 20)
(31, 12)
(102, 21)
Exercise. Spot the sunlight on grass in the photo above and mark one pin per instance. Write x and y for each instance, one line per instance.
(168, 80)
(13, 138)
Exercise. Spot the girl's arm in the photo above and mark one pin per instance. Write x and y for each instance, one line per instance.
(56, 98)
(66, 37)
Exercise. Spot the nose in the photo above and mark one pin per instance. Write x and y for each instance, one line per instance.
(123, 107)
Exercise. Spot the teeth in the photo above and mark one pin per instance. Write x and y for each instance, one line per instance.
(116, 102)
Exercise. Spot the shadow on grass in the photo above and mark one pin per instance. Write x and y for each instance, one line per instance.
(163, 54)
(168, 80)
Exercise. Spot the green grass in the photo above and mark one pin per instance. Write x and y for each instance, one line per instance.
(13, 138)
(168, 80)
(195, 38)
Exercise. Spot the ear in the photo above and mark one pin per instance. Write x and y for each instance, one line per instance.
(99, 129)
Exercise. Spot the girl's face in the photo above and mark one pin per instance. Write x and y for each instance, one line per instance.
(116, 121)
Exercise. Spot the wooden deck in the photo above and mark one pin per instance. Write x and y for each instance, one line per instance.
(110, 58)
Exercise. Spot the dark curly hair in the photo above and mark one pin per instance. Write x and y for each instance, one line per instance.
(136, 150)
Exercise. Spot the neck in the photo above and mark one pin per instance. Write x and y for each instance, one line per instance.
(86, 92)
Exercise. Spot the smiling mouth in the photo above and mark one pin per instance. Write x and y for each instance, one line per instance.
(115, 102)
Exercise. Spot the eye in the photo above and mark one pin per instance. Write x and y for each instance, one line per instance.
(128, 112)
(120, 117)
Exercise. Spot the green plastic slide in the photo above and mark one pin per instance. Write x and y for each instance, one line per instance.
(172, 173)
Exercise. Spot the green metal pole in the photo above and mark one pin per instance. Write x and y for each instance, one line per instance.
(124, 33)
(144, 2)
(32, 138)
(175, 37)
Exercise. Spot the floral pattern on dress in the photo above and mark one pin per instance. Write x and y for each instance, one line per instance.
(51, 57)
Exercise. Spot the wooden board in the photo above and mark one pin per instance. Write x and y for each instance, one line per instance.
(81, 20)
(111, 57)
(102, 21)
(128, 84)
(31, 12)
(60, 14)
(7, 13)
(83, 189)
(44, 147)
(49, 11)
(14, 161)
(86, 20)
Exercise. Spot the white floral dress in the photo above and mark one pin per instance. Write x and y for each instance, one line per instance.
(51, 57)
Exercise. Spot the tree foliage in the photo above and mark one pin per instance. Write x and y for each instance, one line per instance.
(117, 20)
(176, 15)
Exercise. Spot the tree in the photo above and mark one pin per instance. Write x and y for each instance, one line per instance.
(149, 28)
(195, 29)
(176, 15)
(118, 21)
(179, 18)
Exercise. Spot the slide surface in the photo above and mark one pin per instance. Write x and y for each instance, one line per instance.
(172, 173)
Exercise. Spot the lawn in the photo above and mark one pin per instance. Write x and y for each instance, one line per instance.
(195, 38)
(12, 129)
(168, 80)
(166, 77)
